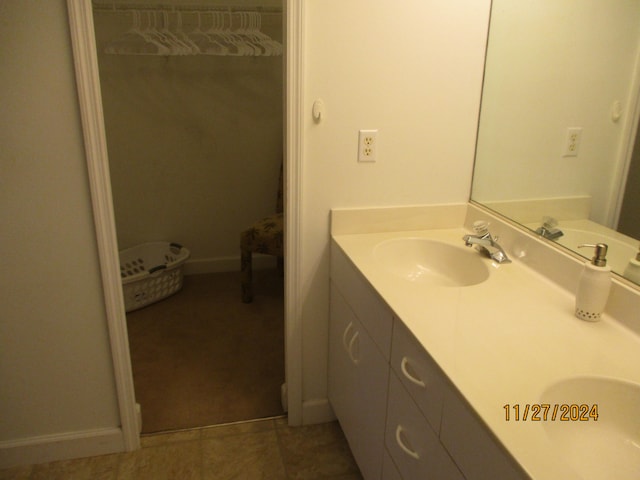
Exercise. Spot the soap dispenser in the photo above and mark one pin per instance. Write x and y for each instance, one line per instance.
(594, 285)
(632, 272)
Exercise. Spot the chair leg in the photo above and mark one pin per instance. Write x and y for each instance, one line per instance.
(280, 266)
(246, 276)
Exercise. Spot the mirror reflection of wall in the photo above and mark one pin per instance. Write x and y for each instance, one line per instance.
(552, 68)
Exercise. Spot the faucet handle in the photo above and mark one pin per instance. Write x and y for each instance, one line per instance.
(481, 227)
(549, 222)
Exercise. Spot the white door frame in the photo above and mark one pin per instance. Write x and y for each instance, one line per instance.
(294, 142)
(629, 129)
(90, 100)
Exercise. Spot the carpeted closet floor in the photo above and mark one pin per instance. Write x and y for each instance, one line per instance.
(202, 357)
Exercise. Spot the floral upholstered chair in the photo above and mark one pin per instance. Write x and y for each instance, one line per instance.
(265, 236)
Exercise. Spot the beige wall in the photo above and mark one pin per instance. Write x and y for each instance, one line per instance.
(195, 143)
(55, 362)
(412, 70)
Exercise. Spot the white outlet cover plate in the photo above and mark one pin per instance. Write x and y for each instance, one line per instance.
(367, 145)
(572, 142)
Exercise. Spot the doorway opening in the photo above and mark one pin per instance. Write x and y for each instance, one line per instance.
(195, 147)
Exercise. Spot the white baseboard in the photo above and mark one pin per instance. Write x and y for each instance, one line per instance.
(226, 264)
(317, 411)
(48, 448)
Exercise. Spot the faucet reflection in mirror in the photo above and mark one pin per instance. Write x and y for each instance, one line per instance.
(549, 229)
(541, 81)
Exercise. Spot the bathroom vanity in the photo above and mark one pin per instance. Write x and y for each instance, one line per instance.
(444, 364)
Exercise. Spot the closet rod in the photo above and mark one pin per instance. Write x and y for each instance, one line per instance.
(115, 7)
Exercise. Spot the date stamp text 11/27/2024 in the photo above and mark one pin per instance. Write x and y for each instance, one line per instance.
(545, 412)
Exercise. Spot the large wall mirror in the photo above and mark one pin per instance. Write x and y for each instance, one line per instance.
(559, 121)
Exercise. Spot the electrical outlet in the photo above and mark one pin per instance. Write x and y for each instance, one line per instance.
(572, 142)
(367, 145)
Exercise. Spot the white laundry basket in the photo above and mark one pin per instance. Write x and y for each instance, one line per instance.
(151, 272)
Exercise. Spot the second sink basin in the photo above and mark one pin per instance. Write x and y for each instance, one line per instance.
(602, 439)
(424, 260)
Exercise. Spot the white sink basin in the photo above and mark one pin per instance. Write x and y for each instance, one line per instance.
(608, 447)
(423, 260)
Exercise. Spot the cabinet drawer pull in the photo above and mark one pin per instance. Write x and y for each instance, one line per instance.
(352, 353)
(404, 366)
(346, 333)
(401, 444)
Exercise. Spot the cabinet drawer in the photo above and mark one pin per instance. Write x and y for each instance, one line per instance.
(418, 373)
(371, 310)
(412, 444)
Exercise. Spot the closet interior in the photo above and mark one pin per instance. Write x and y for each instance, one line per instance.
(193, 106)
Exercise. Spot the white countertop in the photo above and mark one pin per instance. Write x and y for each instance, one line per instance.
(503, 341)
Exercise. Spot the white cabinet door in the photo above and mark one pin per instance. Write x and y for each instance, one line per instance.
(477, 453)
(389, 470)
(367, 305)
(358, 375)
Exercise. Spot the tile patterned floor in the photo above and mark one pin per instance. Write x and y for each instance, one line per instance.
(264, 449)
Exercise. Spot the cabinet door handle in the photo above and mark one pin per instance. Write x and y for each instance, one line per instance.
(401, 444)
(345, 335)
(354, 343)
(411, 377)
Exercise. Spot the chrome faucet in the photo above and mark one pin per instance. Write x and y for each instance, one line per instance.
(549, 229)
(486, 243)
